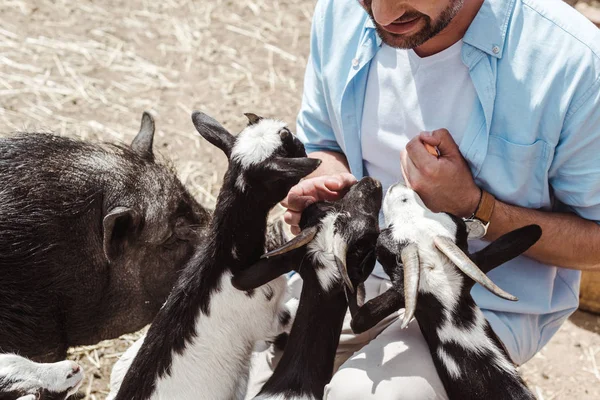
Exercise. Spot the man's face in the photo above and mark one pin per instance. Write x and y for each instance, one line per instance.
(407, 24)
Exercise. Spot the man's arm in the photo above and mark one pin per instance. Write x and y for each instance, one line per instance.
(568, 240)
(333, 163)
(446, 184)
(333, 177)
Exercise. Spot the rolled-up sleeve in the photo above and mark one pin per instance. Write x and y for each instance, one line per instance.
(575, 170)
(313, 123)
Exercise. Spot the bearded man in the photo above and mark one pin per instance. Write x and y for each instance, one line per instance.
(508, 91)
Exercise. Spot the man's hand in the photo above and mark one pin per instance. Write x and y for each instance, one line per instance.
(311, 190)
(444, 183)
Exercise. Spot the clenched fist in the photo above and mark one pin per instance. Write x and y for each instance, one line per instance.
(444, 183)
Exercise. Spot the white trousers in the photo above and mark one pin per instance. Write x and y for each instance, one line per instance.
(385, 362)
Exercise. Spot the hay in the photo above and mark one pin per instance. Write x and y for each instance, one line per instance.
(89, 70)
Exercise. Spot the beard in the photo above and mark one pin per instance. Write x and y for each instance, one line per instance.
(430, 28)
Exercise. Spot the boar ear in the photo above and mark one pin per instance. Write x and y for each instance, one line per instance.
(118, 225)
(214, 132)
(142, 143)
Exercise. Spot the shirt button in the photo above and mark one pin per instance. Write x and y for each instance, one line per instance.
(355, 62)
(496, 49)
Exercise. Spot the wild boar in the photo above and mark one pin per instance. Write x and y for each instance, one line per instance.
(92, 237)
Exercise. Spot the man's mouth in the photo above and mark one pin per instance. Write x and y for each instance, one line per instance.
(403, 25)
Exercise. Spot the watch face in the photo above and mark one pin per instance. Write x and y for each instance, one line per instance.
(475, 228)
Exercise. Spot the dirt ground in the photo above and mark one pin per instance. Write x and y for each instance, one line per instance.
(89, 68)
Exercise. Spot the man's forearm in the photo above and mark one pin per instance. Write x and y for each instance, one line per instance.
(332, 163)
(567, 240)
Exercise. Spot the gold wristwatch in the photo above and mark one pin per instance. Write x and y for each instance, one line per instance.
(479, 221)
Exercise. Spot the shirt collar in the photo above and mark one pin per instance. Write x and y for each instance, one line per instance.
(487, 32)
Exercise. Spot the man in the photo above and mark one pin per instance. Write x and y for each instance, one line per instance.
(508, 91)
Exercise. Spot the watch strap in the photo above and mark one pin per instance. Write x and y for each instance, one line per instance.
(485, 209)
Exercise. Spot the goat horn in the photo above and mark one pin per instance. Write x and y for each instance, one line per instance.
(343, 270)
(412, 271)
(466, 265)
(357, 300)
(305, 237)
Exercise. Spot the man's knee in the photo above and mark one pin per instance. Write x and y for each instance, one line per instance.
(345, 385)
(354, 384)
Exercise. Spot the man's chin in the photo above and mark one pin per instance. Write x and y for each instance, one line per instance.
(402, 41)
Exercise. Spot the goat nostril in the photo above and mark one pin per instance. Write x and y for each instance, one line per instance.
(74, 370)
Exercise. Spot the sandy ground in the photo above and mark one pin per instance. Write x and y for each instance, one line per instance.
(89, 68)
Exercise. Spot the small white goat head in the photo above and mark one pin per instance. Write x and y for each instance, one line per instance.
(29, 380)
(264, 155)
(427, 253)
(337, 243)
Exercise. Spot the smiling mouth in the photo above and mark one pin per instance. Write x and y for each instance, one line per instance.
(403, 25)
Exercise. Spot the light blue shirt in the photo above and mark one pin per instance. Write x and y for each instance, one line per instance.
(533, 139)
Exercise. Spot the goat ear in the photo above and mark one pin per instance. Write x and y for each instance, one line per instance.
(267, 269)
(118, 226)
(292, 169)
(367, 266)
(214, 132)
(357, 299)
(375, 310)
(507, 247)
(253, 118)
(142, 143)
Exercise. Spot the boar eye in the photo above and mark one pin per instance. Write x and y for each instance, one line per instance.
(183, 230)
(171, 241)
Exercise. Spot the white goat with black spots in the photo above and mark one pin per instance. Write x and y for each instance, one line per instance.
(426, 256)
(200, 343)
(334, 254)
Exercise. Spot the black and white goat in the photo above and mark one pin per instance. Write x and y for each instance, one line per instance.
(334, 254)
(200, 343)
(426, 256)
(23, 379)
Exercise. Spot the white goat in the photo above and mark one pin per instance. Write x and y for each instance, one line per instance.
(426, 256)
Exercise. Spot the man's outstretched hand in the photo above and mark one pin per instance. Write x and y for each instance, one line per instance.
(311, 190)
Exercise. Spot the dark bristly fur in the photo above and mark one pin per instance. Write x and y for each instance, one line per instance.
(307, 362)
(235, 239)
(57, 198)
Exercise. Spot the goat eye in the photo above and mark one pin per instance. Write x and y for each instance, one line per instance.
(285, 134)
(183, 230)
